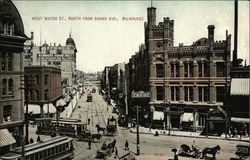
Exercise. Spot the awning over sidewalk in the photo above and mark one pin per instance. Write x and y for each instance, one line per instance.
(187, 117)
(35, 109)
(157, 115)
(240, 86)
(240, 120)
(6, 138)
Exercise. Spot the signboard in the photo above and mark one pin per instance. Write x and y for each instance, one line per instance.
(140, 94)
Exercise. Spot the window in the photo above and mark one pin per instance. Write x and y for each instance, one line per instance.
(4, 87)
(37, 95)
(159, 93)
(172, 66)
(220, 94)
(9, 62)
(3, 61)
(31, 95)
(177, 70)
(200, 69)
(206, 70)
(220, 69)
(185, 70)
(7, 113)
(37, 80)
(191, 69)
(46, 79)
(46, 94)
(175, 94)
(188, 91)
(159, 70)
(202, 119)
(11, 87)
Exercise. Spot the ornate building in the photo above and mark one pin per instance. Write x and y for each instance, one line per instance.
(185, 82)
(63, 57)
(12, 40)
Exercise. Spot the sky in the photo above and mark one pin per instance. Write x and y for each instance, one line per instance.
(103, 43)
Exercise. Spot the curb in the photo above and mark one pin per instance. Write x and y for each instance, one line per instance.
(193, 136)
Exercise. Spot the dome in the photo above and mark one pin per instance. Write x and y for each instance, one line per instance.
(45, 44)
(8, 9)
(70, 41)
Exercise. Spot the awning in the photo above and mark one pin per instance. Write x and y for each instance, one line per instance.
(241, 120)
(157, 115)
(240, 86)
(187, 117)
(6, 138)
(35, 109)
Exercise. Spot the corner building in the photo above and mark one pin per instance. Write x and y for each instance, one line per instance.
(186, 83)
(12, 40)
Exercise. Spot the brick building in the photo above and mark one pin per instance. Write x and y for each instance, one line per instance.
(192, 78)
(12, 40)
(43, 85)
(63, 57)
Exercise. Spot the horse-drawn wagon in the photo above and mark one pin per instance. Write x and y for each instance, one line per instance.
(87, 136)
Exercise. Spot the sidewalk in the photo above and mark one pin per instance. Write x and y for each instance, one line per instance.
(143, 130)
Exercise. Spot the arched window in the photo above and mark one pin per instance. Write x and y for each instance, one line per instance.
(9, 62)
(4, 87)
(11, 87)
(46, 77)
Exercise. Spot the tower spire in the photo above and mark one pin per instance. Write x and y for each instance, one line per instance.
(151, 3)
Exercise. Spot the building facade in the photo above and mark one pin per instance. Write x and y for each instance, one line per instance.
(185, 82)
(12, 40)
(63, 57)
(43, 85)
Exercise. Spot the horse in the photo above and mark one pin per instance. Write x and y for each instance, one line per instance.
(212, 151)
(96, 136)
(112, 145)
(100, 128)
(184, 150)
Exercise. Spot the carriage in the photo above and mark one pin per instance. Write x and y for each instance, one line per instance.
(111, 129)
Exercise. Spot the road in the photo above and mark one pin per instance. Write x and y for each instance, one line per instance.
(152, 147)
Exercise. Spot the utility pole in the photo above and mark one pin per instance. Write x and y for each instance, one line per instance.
(126, 99)
(169, 122)
(23, 146)
(137, 131)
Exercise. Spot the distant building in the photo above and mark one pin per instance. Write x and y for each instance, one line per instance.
(43, 86)
(12, 40)
(63, 57)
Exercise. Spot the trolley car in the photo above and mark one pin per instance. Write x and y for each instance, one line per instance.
(111, 129)
(57, 148)
(67, 127)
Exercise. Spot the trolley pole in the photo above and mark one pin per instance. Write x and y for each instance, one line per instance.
(137, 129)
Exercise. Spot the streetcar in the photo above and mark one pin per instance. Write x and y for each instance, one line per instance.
(89, 98)
(56, 148)
(66, 127)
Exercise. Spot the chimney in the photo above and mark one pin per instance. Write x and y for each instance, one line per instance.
(211, 32)
(32, 35)
(235, 33)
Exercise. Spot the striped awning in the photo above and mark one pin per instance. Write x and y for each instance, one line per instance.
(6, 138)
(240, 86)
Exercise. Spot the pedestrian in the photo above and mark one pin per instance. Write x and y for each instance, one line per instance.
(88, 121)
(107, 108)
(38, 139)
(116, 152)
(126, 145)
(89, 143)
(31, 140)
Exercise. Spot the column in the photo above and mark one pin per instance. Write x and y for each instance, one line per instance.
(196, 119)
(181, 69)
(181, 93)
(153, 93)
(196, 69)
(196, 93)
(167, 93)
(212, 69)
(212, 94)
(41, 110)
(167, 69)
